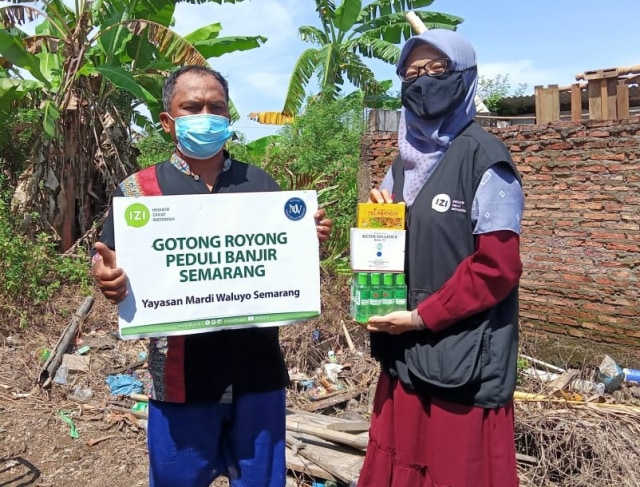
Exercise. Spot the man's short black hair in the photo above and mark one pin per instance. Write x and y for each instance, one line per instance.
(169, 87)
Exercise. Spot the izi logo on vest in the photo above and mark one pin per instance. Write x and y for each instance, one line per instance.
(441, 202)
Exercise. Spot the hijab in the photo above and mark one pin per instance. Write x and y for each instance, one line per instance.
(423, 143)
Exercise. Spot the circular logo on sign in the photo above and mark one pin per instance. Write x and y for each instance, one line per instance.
(441, 203)
(137, 215)
(295, 209)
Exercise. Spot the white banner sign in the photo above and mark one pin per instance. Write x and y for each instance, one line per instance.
(199, 263)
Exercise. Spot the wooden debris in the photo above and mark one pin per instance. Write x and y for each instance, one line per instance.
(95, 441)
(335, 398)
(348, 439)
(48, 370)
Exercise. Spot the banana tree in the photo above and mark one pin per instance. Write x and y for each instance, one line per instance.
(349, 33)
(89, 69)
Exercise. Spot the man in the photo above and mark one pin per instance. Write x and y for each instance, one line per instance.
(217, 406)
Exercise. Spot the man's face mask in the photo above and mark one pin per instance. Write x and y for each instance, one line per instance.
(201, 136)
(430, 97)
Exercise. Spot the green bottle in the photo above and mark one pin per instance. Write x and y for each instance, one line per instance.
(400, 293)
(388, 294)
(375, 298)
(361, 314)
(364, 309)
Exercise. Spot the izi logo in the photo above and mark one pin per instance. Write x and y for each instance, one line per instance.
(441, 202)
(295, 209)
(137, 215)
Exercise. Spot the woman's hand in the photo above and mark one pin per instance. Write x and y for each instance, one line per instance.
(377, 196)
(393, 323)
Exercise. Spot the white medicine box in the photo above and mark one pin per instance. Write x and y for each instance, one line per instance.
(377, 250)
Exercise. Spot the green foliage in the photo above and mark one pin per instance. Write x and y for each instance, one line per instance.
(349, 33)
(492, 90)
(153, 148)
(30, 269)
(521, 365)
(18, 135)
(321, 151)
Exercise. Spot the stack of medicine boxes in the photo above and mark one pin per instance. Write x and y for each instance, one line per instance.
(377, 259)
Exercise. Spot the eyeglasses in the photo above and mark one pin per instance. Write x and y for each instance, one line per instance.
(435, 67)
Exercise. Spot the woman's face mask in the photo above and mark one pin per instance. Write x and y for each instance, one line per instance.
(201, 136)
(433, 97)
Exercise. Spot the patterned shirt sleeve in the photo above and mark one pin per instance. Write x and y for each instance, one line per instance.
(499, 201)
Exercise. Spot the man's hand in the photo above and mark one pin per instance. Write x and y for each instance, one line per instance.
(323, 225)
(111, 280)
(377, 196)
(394, 323)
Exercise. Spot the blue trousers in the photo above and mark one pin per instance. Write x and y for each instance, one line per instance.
(192, 444)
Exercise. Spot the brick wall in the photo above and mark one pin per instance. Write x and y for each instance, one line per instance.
(581, 227)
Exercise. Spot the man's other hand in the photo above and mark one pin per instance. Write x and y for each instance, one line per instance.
(323, 225)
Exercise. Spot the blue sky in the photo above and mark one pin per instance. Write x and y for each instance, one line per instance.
(537, 43)
(534, 42)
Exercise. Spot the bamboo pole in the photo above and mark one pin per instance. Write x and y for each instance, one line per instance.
(415, 22)
(609, 72)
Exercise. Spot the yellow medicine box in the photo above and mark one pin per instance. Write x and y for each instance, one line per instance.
(375, 215)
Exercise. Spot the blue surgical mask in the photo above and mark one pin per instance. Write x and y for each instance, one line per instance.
(201, 136)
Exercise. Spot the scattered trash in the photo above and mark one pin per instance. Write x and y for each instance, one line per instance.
(43, 353)
(332, 370)
(142, 356)
(316, 336)
(83, 350)
(332, 356)
(83, 392)
(62, 375)
(124, 385)
(631, 375)
(140, 407)
(72, 427)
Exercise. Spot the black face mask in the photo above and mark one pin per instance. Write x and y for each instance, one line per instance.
(431, 97)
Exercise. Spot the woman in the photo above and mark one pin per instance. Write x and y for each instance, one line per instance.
(443, 411)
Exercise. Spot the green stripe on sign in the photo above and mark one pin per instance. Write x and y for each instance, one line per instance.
(212, 323)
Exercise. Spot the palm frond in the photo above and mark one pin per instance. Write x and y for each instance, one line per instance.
(395, 28)
(312, 34)
(306, 65)
(375, 48)
(380, 8)
(12, 16)
(169, 43)
(359, 74)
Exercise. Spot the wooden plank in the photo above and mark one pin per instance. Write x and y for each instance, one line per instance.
(595, 100)
(342, 463)
(576, 102)
(354, 441)
(351, 426)
(547, 104)
(622, 101)
(298, 463)
(609, 102)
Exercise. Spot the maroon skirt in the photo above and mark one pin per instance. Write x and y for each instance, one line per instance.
(415, 442)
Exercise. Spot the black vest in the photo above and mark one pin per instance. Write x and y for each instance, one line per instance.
(473, 361)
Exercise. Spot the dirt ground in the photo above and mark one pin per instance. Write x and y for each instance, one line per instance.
(36, 447)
